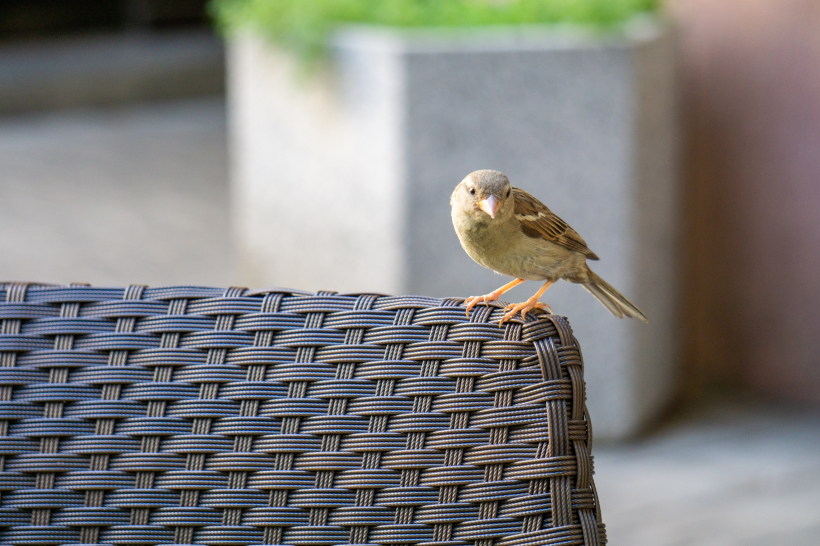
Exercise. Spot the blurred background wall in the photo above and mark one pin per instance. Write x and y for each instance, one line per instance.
(72, 54)
(751, 77)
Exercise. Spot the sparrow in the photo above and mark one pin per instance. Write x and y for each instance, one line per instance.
(506, 229)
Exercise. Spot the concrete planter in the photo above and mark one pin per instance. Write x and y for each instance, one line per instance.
(342, 180)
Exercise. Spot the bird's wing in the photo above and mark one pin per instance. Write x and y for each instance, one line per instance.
(539, 221)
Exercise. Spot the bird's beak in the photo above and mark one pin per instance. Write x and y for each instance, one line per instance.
(490, 205)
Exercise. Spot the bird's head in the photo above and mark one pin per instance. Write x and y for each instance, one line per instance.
(486, 194)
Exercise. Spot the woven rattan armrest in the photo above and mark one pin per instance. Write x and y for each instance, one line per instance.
(187, 415)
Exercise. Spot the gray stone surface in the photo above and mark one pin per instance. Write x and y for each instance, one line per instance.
(342, 180)
(134, 194)
(724, 475)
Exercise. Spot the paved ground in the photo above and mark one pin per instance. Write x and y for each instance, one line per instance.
(139, 194)
(114, 196)
(723, 475)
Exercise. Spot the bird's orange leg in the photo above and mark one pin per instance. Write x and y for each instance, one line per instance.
(492, 296)
(528, 305)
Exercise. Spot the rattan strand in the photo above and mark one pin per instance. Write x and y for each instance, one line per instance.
(187, 415)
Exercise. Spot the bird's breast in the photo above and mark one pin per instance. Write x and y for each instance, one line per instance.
(489, 244)
(511, 252)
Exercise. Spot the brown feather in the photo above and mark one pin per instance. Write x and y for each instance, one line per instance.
(539, 221)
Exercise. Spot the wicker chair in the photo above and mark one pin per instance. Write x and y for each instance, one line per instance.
(185, 415)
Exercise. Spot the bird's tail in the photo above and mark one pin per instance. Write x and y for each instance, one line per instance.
(613, 300)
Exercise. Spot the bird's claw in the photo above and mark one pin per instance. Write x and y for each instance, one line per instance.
(485, 299)
(524, 308)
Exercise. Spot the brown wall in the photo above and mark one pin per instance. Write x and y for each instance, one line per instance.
(751, 76)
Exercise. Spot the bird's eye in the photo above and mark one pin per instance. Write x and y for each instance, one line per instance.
(472, 191)
(508, 192)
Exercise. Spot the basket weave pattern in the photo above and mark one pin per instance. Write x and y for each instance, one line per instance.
(185, 415)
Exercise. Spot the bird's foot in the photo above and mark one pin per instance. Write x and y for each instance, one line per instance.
(487, 298)
(524, 308)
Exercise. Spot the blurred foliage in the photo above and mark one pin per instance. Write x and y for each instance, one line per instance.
(304, 25)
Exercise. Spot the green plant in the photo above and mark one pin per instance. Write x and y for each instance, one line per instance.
(304, 25)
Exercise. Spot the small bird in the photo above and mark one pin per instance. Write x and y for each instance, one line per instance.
(511, 232)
